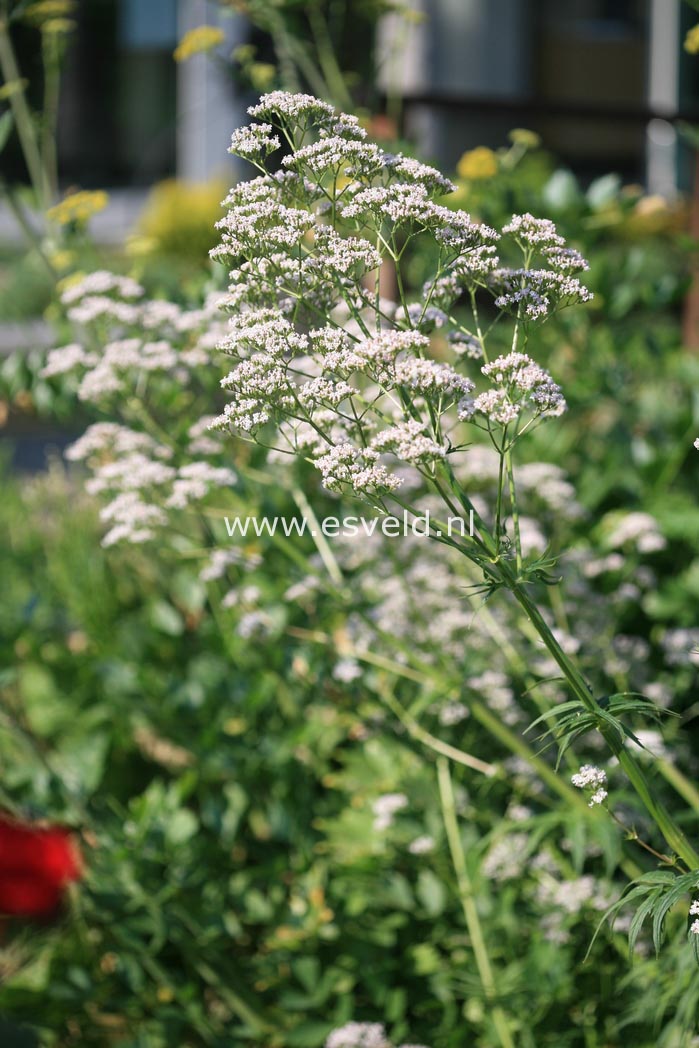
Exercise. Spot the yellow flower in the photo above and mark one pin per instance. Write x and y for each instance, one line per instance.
(261, 75)
(62, 260)
(654, 216)
(691, 41)
(179, 218)
(49, 9)
(203, 38)
(479, 163)
(137, 246)
(78, 207)
(244, 54)
(520, 136)
(58, 25)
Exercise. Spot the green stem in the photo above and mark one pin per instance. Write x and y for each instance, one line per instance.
(515, 510)
(23, 118)
(327, 60)
(431, 741)
(25, 225)
(52, 77)
(468, 903)
(662, 818)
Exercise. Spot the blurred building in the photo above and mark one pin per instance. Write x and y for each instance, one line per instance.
(603, 81)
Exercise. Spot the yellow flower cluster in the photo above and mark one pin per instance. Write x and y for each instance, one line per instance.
(203, 38)
(49, 9)
(179, 219)
(477, 164)
(520, 136)
(62, 260)
(58, 26)
(691, 41)
(78, 207)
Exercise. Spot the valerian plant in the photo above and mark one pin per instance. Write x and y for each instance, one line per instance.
(327, 369)
(382, 391)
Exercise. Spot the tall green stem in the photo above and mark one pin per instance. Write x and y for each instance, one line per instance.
(674, 836)
(468, 903)
(50, 45)
(20, 111)
(515, 510)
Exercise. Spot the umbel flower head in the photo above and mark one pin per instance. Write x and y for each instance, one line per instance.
(321, 362)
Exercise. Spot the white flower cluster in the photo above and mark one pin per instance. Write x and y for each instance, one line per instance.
(421, 845)
(101, 282)
(345, 465)
(540, 234)
(637, 529)
(409, 442)
(358, 1035)
(67, 358)
(386, 807)
(694, 912)
(322, 365)
(343, 376)
(534, 232)
(519, 384)
(534, 294)
(362, 1035)
(114, 439)
(255, 141)
(292, 107)
(592, 778)
(117, 347)
(120, 355)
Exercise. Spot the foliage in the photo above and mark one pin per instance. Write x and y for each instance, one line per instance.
(178, 222)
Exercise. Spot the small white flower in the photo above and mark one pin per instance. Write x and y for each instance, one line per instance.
(346, 670)
(358, 1035)
(589, 775)
(386, 807)
(421, 845)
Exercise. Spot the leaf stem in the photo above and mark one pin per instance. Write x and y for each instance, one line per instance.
(468, 903)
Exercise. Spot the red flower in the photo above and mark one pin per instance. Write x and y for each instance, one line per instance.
(36, 865)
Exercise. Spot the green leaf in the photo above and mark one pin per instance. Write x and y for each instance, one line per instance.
(603, 191)
(561, 191)
(307, 971)
(181, 826)
(431, 893)
(82, 758)
(308, 1035)
(45, 712)
(639, 917)
(166, 618)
